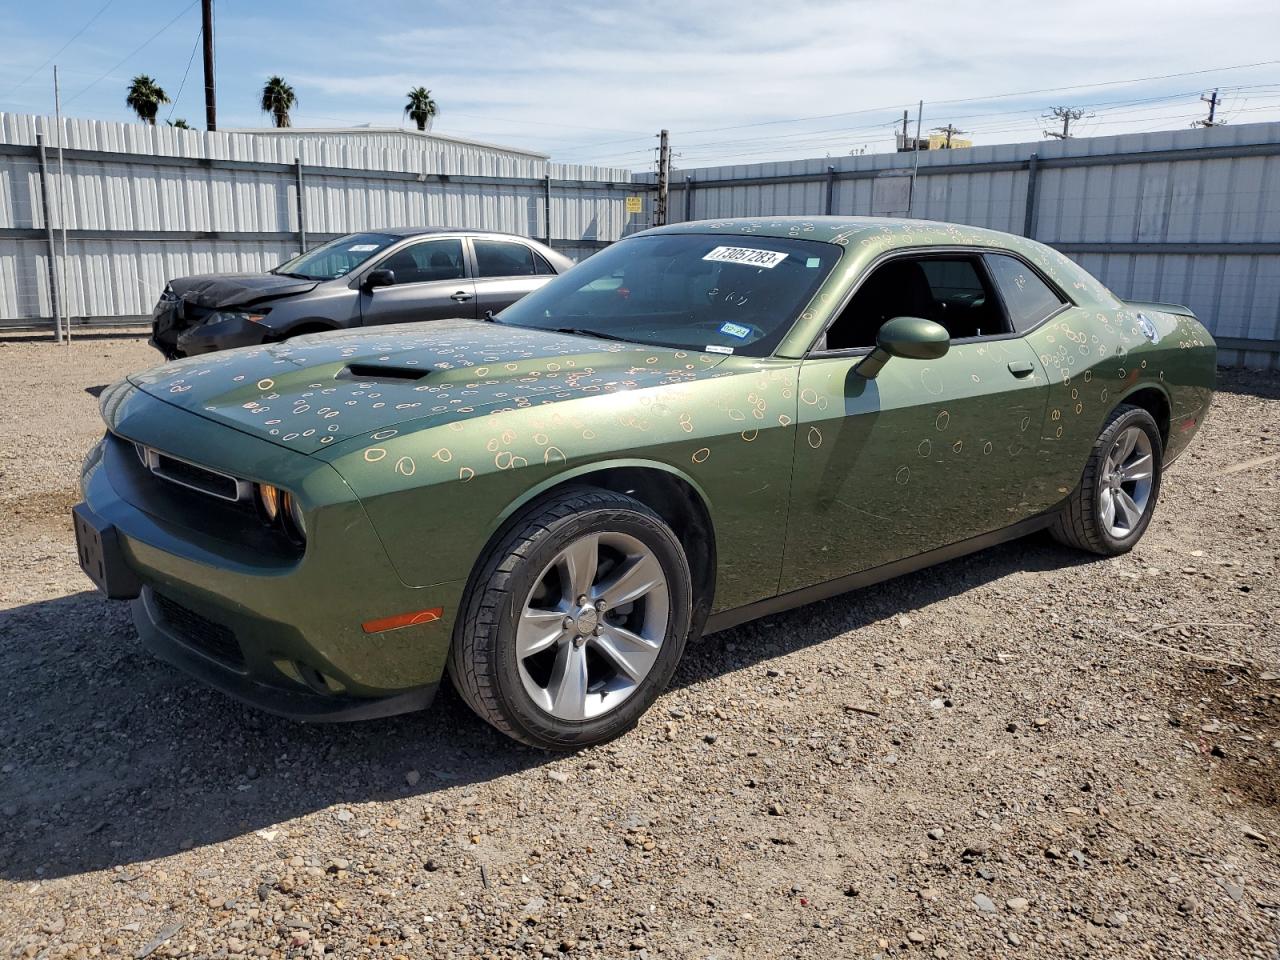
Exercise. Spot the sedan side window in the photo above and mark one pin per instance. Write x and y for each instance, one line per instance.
(501, 258)
(427, 261)
(953, 291)
(1027, 298)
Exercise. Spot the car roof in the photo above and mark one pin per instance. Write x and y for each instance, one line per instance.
(425, 231)
(845, 231)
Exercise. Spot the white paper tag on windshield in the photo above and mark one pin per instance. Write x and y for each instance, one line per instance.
(716, 348)
(362, 247)
(747, 256)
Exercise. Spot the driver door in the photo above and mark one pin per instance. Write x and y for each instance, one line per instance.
(926, 454)
(431, 284)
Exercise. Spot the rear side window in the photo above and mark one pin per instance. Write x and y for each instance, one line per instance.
(501, 258)
(544, 269)
(1027, 298)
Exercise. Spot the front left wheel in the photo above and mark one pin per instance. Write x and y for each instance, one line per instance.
(575, 621)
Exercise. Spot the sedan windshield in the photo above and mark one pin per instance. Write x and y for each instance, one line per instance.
(722, 294)
(337, 257)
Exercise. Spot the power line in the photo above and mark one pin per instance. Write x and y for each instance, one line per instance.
(990, 97)
(74, 38)
(135, 51)
(173, 105)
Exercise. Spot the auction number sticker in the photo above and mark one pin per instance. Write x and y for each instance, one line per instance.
(362, 248)
(747, 256)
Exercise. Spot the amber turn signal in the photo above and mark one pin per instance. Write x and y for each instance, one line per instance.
(402, 620)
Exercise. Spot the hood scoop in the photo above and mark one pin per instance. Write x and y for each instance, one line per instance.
(381, 373)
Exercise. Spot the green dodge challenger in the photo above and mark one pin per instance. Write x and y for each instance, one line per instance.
(702, 424)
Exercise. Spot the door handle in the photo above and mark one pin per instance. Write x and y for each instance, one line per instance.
(1021, 368)
(462, 296)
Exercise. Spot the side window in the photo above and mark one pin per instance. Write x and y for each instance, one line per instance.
(541, 267)
(427, 261)
(502, 258)
(1027, 298)
(952, 291)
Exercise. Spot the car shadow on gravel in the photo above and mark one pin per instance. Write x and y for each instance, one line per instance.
(111, 757)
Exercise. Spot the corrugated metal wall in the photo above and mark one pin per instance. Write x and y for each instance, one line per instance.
(1189, 216)
(144, 204)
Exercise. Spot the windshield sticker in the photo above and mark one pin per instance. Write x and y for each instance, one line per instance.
(362, 248)
(735, 330)
(813, 263)
(716, 348)
(746, 256)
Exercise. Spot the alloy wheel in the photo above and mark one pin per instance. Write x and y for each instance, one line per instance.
(1126, 482)
(592, 626)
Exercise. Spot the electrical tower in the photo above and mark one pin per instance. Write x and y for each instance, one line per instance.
(664, 180)
(1212, 100)
(1066, 115)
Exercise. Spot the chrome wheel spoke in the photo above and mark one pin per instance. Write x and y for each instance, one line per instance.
(640, 575)
(629, 652)
(566, 691)
(1130, 509)
(538, 630)
(1125, 444)
(1109, 508)
(1139, 468)
(579, 560)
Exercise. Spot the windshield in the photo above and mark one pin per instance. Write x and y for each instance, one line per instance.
(722, 294)
(337, 257)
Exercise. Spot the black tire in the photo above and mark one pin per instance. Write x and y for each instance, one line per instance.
(482, 661)
(1079, 524)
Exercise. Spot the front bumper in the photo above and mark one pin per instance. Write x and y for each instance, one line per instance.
(281, 632)
(179, 329)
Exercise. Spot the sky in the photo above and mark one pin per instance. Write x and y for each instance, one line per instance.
(733, 80)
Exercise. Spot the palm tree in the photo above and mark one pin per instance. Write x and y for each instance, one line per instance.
(145, 98)
(421, 108)
(179, 124)
(278, 99)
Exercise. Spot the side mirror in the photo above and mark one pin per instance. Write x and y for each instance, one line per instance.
(913, 338)
(382, 277)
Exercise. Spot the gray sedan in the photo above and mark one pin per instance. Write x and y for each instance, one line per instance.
(362, 279)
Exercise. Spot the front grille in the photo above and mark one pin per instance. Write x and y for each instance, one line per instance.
(197, 631)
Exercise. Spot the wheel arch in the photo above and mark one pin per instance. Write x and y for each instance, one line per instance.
(307, 325)
(675, 497)
(1156, 402)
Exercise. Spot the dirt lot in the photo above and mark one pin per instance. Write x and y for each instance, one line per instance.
(1029, 753)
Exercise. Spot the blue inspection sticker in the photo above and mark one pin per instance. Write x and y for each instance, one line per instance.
(735, 330)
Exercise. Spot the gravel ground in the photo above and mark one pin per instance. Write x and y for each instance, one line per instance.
(1028, 753)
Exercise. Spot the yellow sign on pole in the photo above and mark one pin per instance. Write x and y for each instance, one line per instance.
(634, 204)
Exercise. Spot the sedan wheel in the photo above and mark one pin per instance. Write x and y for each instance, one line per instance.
(575, 622)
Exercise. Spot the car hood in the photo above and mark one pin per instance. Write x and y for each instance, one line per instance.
(316, 391)
(236, 289)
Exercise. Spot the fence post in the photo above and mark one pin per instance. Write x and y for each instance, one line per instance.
(688, 198)
(546, 202)
(302, 206)
(55, 297)
(831, 190)
(1029, 215)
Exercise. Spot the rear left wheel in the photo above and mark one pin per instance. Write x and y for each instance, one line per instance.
(1110, 510)
(575, 622)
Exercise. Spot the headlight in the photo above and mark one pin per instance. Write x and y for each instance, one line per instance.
(294, 523)
(269, 502)
(280, 509)
(167, 295)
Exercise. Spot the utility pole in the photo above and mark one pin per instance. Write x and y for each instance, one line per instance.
(1066, 115)
(664, 179)
(1212, 100)
(64, 326)
(904, 130)
(210, 94)
(950, 130)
